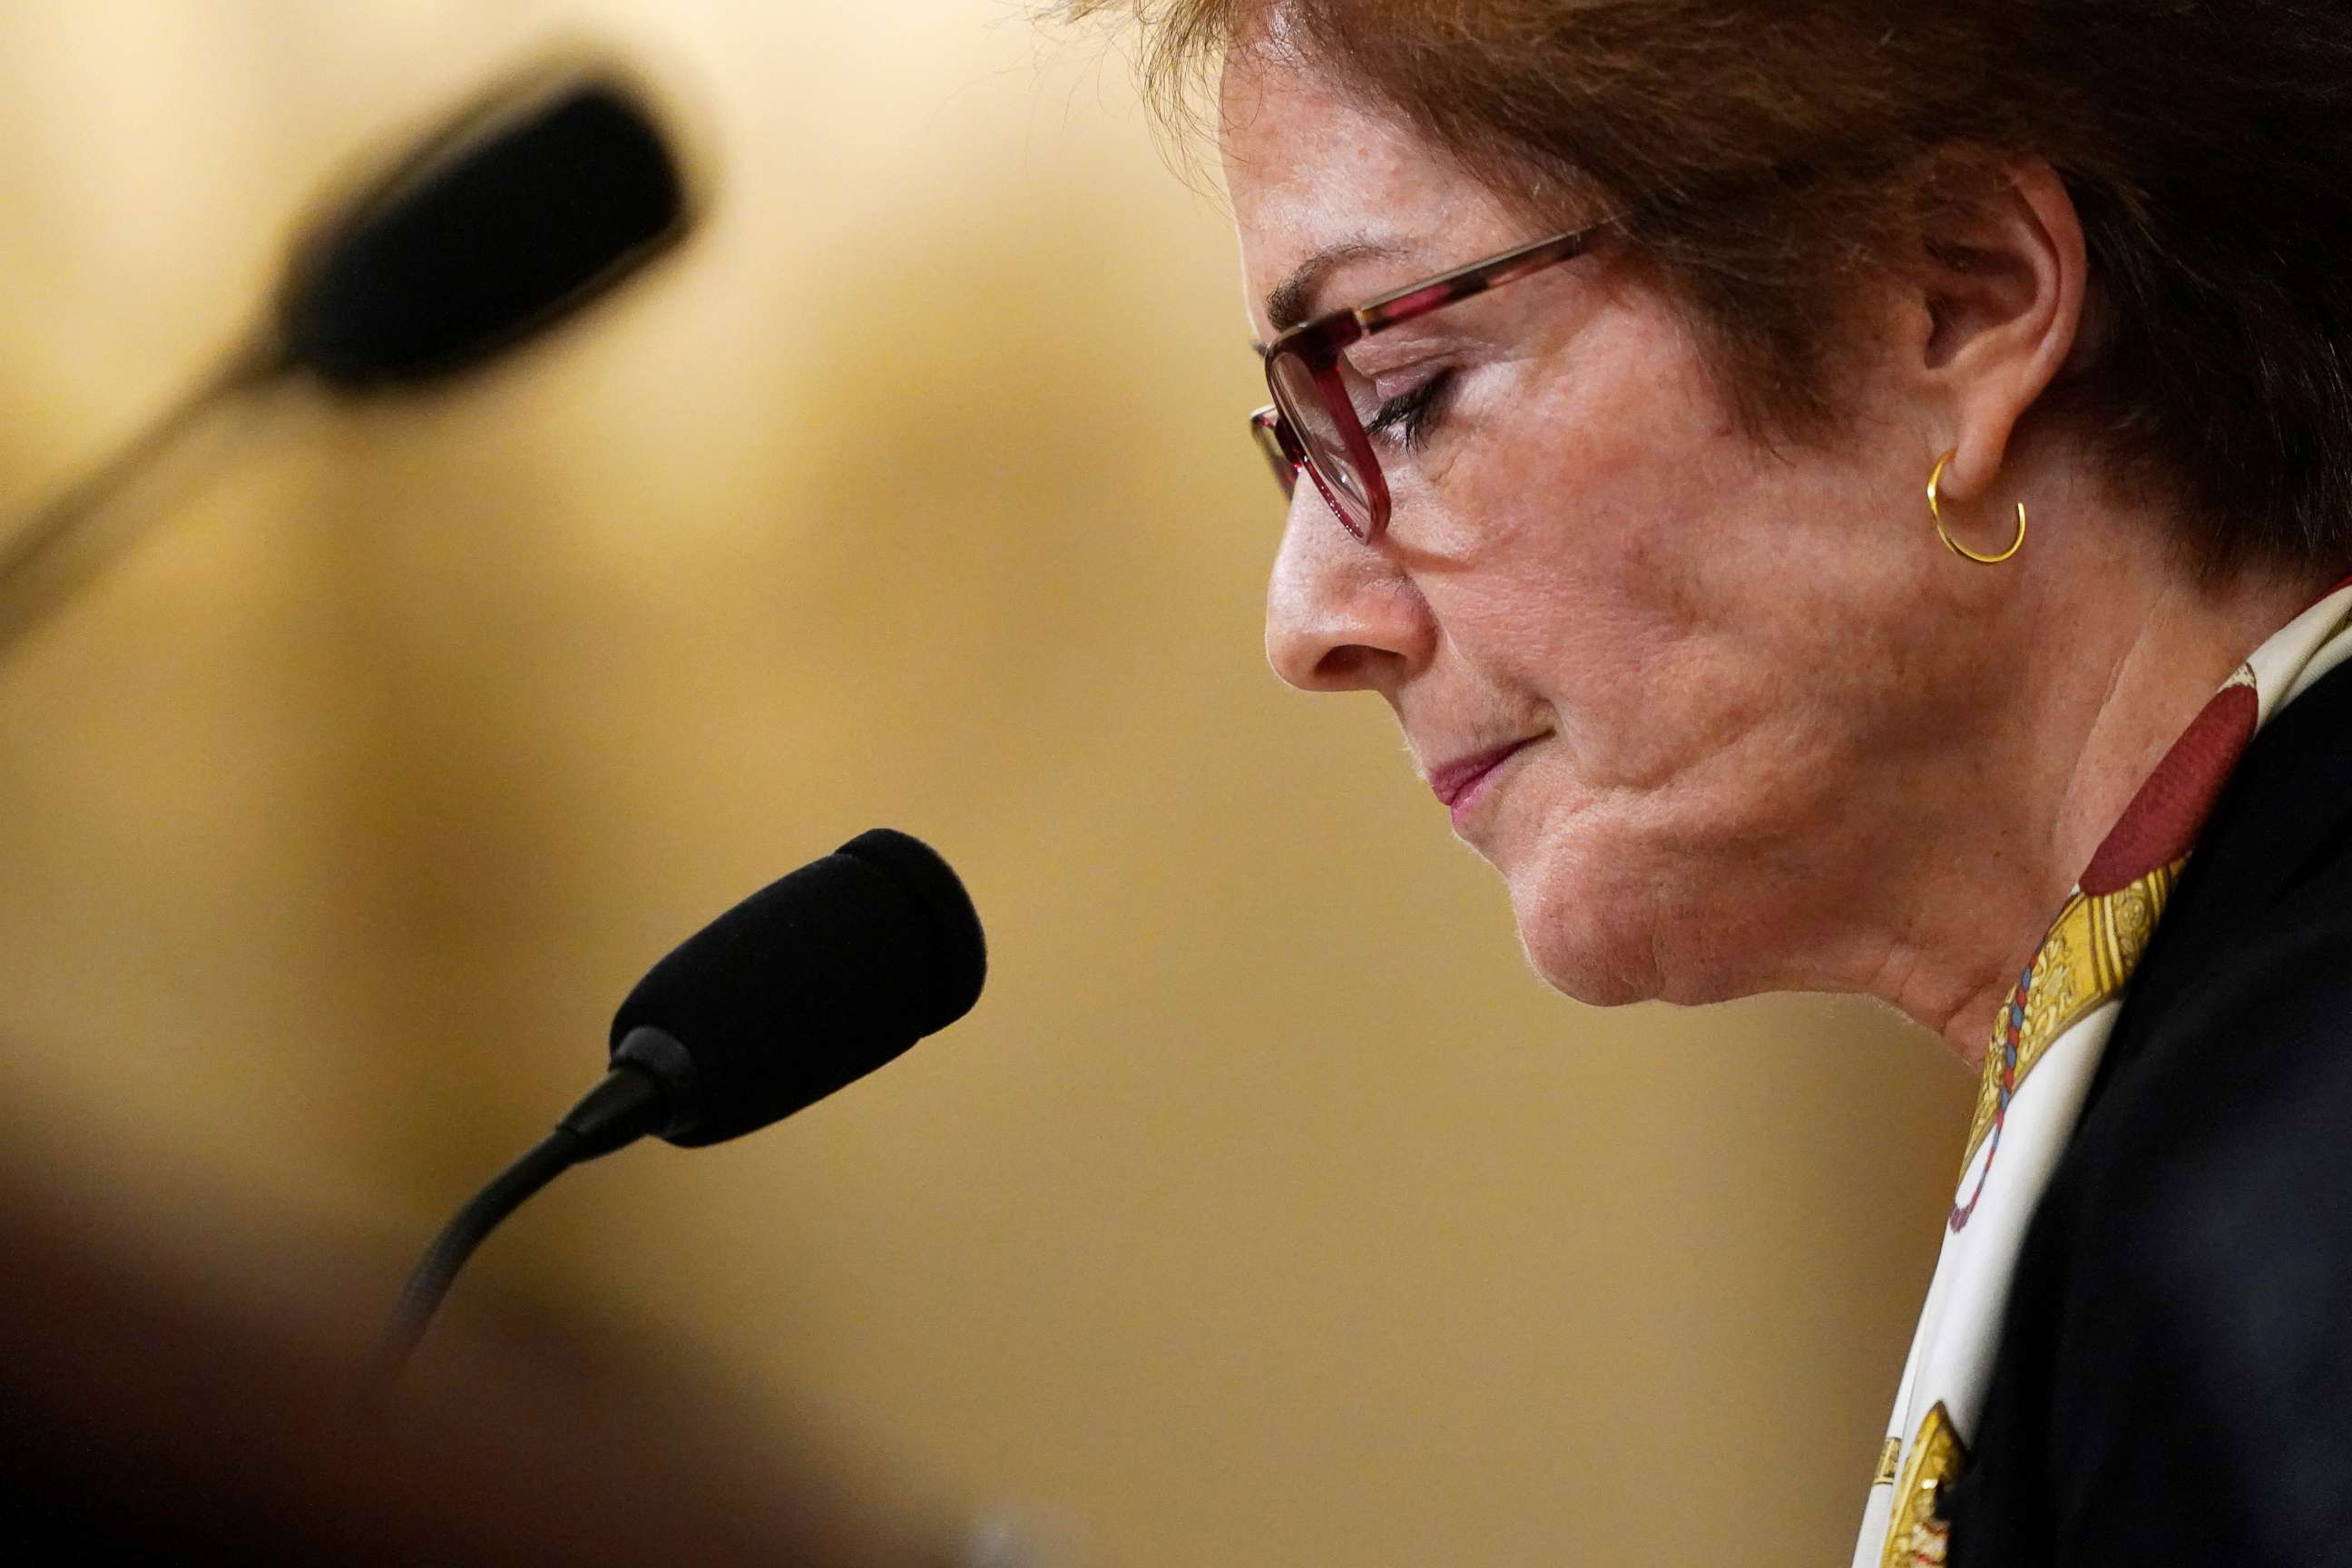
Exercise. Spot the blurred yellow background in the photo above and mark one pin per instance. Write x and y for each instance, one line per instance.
(1265, 1211)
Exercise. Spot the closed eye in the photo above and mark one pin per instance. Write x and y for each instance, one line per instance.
(1404, 421)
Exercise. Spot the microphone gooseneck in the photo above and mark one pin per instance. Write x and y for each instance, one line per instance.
(810, 983)
(617, 1111)
(46, 554)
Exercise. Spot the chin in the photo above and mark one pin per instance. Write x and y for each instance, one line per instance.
(1609, 941)
(1587, 943)
(1576, 976)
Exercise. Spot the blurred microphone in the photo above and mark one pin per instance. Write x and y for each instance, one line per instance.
(808, 984)
(515, 213)
(541, 194)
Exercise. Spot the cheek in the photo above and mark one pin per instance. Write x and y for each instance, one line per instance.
(1596, 565)
(1671, 593)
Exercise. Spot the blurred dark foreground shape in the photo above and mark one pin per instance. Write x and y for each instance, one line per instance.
(153, 1412)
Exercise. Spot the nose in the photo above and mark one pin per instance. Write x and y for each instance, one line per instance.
(1339, 615)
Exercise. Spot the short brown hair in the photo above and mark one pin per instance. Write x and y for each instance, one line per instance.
(1769, 151)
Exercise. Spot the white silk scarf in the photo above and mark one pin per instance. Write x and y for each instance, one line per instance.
(2046, 1043)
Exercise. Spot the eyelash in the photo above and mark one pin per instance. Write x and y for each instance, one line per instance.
(1407, 418)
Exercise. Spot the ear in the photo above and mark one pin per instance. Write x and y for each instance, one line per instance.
(2002, 283)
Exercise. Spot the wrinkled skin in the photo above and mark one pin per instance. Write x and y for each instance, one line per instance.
(1780, 738)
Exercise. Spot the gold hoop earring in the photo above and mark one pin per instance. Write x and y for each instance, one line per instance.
(1936, 510)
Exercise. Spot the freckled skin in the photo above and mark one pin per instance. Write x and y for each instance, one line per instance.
(1781, 743)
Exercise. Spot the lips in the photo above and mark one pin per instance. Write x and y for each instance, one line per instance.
(1452, 783)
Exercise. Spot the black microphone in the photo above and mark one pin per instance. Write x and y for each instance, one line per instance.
(808, 984)
(539, 195)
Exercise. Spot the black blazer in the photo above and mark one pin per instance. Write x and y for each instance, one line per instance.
(2175, 1376)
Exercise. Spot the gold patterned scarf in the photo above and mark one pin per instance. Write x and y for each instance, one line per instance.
(2046, 1043)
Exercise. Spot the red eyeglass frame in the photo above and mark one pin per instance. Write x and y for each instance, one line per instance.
(1318, 343)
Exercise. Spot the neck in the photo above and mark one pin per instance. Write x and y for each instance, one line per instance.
(2110, 668)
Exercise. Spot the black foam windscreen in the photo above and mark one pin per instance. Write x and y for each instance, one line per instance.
(812, 982)
(535, 201)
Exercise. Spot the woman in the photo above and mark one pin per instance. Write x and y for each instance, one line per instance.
(1823, 486)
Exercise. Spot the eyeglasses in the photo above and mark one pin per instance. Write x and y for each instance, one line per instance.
(1312, 423)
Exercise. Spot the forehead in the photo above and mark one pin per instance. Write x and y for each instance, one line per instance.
(1287, 130)
(1311, 166)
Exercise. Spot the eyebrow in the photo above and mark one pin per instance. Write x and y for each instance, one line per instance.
(1292, 301)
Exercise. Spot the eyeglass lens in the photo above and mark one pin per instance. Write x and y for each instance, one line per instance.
(1312, 419)
(1269, 431)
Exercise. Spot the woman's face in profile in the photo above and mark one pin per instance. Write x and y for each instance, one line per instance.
(1718, 664)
